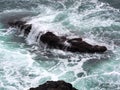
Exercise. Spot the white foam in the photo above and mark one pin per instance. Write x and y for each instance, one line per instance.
(25, 72)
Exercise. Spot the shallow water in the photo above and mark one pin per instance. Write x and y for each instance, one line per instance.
(25, 63)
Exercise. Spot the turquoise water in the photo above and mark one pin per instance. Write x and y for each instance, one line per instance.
(25, 63)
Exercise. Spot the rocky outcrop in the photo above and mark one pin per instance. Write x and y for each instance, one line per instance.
(58, 42)
(54, 85)
(22, 26)
(74, 45)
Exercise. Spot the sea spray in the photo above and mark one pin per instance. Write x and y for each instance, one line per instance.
(23, 64)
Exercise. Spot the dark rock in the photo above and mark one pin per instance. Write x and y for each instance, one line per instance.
(49, 38)
(80, 74)
(76, 44)
(21, 25)
(58, 42)
(27, 28)
(54, 85)
(17, 24)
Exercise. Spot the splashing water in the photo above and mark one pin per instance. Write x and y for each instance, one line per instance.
(23, 64)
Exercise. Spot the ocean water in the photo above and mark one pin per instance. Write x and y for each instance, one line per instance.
(25, 63)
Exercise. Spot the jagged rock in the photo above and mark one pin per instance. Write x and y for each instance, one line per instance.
(21, 25)
(54, 85)
(75, 44)
(58, 42)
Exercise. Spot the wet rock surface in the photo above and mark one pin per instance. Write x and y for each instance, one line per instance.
(58, 42)
(54, 85)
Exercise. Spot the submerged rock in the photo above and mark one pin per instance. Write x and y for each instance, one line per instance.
(54, 85)
(26, 28)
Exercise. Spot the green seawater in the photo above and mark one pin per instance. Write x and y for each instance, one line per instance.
(23, 66)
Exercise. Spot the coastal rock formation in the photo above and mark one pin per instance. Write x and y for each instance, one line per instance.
(58, 42)
(54, 85)
(21, 25)
(75, 44)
